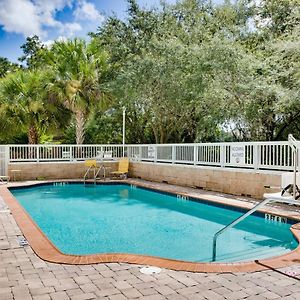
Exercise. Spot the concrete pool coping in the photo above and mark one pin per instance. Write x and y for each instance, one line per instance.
(42, 246)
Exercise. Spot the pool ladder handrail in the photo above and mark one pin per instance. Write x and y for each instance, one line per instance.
(295, 145)
(95, 173)
(287, 200)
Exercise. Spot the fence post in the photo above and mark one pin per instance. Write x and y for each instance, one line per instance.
(195, 154)
(6, 159)
(256, 156)
(140, 153)
(173, 154)
(155, 153)
(71, 153)
(222, 155)
(38, 153)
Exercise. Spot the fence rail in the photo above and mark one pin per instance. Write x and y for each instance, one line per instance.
(252, 155)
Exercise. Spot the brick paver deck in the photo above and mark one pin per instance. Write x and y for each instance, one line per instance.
(24, 276)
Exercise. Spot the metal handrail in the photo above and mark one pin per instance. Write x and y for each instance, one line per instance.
(86, 173)
(296, 146)
(98, 171)
(290, 200)
(244, 216)
(95, 173)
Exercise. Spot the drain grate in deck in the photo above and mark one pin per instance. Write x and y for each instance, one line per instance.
(22, 241)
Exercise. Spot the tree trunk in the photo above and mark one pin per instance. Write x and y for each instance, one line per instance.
(80, 127)
(162, 135)
(155, 133)
(33, 137)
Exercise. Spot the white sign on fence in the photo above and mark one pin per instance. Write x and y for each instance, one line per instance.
(151, 152)
(237, 155)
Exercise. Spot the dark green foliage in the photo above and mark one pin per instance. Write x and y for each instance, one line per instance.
(6, 66)
(187, 72)
(33, 50)
(233, 66)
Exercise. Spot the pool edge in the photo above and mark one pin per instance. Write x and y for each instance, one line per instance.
(43, 247)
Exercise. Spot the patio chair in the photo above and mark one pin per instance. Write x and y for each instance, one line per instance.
(108, 155)
(286, 188)
(4, 179)
(99, 155)
(122, 168)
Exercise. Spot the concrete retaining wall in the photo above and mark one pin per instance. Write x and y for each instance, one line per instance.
(62, 170)
(230, 181)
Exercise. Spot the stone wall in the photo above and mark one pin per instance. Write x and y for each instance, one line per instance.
(230, 181)
(62, 170)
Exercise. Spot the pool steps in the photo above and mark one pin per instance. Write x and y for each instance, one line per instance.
(288, 200)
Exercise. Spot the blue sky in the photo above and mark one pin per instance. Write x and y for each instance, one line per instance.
(54, 19)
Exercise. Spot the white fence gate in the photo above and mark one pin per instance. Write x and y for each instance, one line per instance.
(3, 160)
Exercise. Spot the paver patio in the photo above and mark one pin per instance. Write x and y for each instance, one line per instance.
(24, 276)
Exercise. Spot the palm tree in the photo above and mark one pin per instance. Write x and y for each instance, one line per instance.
(78, 68)
(25, 103)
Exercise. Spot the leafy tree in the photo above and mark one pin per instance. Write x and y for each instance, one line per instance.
(78, 68)
(272, 106)
(26, 105)
(33, 52)
(6, 66)
(275, 18)
(152, 86)
(177, 68)
(192, 71)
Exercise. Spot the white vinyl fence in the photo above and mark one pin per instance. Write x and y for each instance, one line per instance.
(3, 160)
(252, 155)
(263, 155)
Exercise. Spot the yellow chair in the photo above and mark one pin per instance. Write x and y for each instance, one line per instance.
(122, 168)
(92, 166)
(92, 163)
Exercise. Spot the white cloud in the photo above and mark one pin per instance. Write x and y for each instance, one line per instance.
(69, 29)
(48, 8)
(20, 16)
(61, 38)
(30, 17)
(49, 43)
(87, 11)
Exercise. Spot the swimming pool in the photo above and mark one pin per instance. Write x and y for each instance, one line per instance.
(118, 218)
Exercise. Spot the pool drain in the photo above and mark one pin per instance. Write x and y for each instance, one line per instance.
(22, 241)
(150, 270)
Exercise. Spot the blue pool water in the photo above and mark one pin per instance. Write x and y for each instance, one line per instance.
(119, 218)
